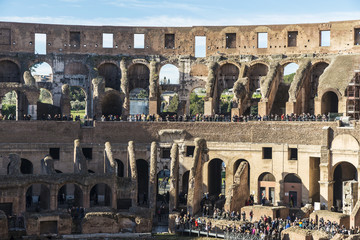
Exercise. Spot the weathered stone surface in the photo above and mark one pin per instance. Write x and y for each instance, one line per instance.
(14, 165)
(3, 225)
(133, 169)
(100, 222)
(174, 177)
(80, 163)
(152, 177)
(259, 211)
(296, 233)
(47, 166)
(110, 163)
(339, 218)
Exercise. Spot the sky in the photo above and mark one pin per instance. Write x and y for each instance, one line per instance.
(177, 12)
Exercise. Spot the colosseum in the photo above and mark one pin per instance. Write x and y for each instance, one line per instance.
(112, 169)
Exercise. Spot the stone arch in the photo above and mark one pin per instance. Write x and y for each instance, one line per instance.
(42, 71)
(266, 183)
(344, 148)
(111, 74)
(236, 166)
(78, 99)
(70, 195)
(311, 85)
(293, 188)
(342, 172)
(169, 74)
(121, 168)
(26, 167)
(37, 197)
(101, 195)
(111, 103)
(142, 168)
(9, 71)
(138, 75)
(216, 177)
(329, 102)
(10, 105)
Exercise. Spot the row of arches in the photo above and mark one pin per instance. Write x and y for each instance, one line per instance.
(222, 91)
(69, 195)
(26, 167)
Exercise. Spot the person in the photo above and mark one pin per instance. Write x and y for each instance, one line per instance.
(243, 215)
(251, 215)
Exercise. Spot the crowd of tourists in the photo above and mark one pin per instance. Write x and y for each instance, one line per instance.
(264, 228)
(180, 118)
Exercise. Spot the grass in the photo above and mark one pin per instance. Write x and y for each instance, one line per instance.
(80, 112)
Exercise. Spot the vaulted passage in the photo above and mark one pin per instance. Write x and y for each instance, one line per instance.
(111, 103)
(266, 183)
(329, 103)
(37, 198)
(142, 167)
(100, 195)
(293, 190)
(112, 75)
(216, 177)
(70, 195)
(343, 172)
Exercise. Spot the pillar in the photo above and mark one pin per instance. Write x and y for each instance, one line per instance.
(98, 92)
(174, 177)
(65, 100)
(263, 108)
(153, 89)
(209, 106)
(53, 197)
(152, 177)
(125, 88)
(290, 108)
(133, 170)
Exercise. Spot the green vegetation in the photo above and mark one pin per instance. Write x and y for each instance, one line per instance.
(8, 109)
(77, 99)
(9, 104)
(289, 78)
(225, 103)
(196, 104)
(143, 94)
(45, 96)
(173, 105)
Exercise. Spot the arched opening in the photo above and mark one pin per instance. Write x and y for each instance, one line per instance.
(8, 106)
(163, 186)
(255, 73)
(329, 103)
(169, 74)
(78, 104)
(111, 104)
(282, 94)
(70, 195)
(343, 172)
(142, 167)
(100, 195)
(185, 187)
(216, 177)
(111, 74)
(236, 166)
(227, 76)
(26, 166)
(45, 96)
(197, 101)
(311, 88)
(9, 72)
(266, 183)
(42, 72)
(138, 75)
(292, 190)
(169, 102)
(139, 101)
(37, 198)
(120, 172)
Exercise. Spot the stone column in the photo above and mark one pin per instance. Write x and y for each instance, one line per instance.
(110, 166)
(174, 177)
(263, 107)
(32, 95)
(290, 107)
(86, 197)
(239, 191)
(53, 197)
(65, 100)
(153, 89)
(80, 164)
(326, 183)
(125, 88)
(98, 92)
(152, 177)
(195, 192)
(210, 85)
(133, 169)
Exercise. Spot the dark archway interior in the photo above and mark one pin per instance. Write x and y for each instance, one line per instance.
(215, 170)
(70, 195)
(143, 179)
(112, 75)
(312, 91)
(292, 178)
(37, 198)
(139, 75)
(26, 166)
(343, 172)
(100, 195)
(111, 104)
(329, 103)
(267, 177)
(185, 182)
(120, 171)
(9, 72)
